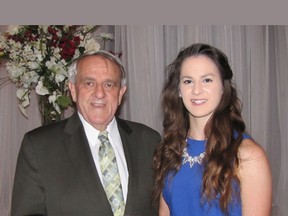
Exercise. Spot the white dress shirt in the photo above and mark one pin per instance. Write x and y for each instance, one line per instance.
(115, 140)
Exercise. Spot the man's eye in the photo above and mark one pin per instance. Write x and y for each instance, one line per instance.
(109, 85)
(207, 80)
(89, 83)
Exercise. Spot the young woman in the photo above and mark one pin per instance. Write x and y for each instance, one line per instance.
(206, 163)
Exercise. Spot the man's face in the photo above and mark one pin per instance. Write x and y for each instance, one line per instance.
(97, 91)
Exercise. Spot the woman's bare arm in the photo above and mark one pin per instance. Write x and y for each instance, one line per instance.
(255, 179)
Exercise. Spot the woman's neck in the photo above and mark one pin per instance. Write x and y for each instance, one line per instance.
(196, 130)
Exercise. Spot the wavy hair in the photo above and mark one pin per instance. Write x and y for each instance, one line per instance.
(221, 160)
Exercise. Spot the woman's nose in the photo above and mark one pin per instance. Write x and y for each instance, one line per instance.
(197, 89)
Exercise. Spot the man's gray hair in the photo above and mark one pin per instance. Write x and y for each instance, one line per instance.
(72, 69)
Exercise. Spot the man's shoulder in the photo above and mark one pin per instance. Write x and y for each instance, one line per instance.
(130, 126)
(70, 122)
(68, 125)
(49, 128)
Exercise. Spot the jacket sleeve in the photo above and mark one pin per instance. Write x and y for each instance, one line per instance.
(28, 196)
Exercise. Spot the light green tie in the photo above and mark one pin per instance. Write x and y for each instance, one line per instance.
(110, 175)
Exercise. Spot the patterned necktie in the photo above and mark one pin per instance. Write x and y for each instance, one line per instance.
(110, 175)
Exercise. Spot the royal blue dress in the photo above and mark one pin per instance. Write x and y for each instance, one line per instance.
(182, 191)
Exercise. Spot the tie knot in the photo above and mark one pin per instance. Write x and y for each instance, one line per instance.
(103, 136)
(105, 145)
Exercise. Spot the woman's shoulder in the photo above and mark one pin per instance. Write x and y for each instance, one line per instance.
(253, 162)
(250, 150)
(255, 178)
(252, 158)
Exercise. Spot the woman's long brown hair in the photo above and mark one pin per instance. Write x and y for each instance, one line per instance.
(221, 160)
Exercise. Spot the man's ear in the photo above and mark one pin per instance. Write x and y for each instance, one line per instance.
(121, 93)
(73, 92)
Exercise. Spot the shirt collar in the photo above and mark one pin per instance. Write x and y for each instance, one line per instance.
(89, 129)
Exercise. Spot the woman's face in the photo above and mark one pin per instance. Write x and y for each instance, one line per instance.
(200, 86)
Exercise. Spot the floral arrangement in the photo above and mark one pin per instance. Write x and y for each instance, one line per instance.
(36, 57)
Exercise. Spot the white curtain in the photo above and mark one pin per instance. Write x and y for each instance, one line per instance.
(144, 59)
(258, 56)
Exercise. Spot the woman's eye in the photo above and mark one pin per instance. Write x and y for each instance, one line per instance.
(187, 81)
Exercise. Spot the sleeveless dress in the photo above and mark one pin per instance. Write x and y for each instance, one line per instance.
(182, 190)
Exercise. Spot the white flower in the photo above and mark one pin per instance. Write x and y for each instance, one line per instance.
(29, 78)
(52, 99)
(56, 53)
(63, 63)
(21, 93)
(50, 64)
(39, 56)
(59, 78)
(2, 41)
(23, 96)
(14, 71)
(40, 89)
(87, 28)
(105, 36)
(23, 110)
(25, 101)
(44, 28)
(66, 27)
(59, 34)
(92, 45)
(77, 54)
(38, 59)
(57, 107)
(33, 65)
(13, 29)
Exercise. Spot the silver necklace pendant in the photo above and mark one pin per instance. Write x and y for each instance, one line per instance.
(192, 160)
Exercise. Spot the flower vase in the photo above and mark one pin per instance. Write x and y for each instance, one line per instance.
(48, 111)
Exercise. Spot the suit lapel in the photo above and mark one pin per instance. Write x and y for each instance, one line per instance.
(131, 154)
(78, 150)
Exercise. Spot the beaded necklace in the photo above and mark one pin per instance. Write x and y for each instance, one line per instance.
(192, 160)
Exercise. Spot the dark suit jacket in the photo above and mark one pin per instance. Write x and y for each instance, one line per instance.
(56, 175)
